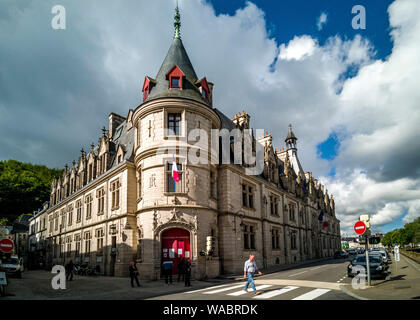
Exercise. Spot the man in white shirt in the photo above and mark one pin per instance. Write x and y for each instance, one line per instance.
(250, 268)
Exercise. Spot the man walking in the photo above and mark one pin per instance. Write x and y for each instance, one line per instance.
(69, 270)
(134, 273)
(167, 271)
(250, 268)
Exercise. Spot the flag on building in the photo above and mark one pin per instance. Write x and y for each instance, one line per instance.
(174, 170)
(322, 219)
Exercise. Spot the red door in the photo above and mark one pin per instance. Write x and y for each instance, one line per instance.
(175, 245)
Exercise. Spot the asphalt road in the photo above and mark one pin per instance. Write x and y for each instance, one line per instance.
(319, 281)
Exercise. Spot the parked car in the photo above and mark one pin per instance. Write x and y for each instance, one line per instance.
(376, 266)
(12, 265)
(360, 251)
(385, 258)
(340, 254)
(352, 251)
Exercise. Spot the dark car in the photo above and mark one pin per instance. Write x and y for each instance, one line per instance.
(376, 266)
(340, 254)
(352, 251)
(383, 255)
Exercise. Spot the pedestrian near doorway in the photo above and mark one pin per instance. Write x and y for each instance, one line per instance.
(181, 270)
(167, 271)
(69, 270)
(250, 268)
(187, 272)
(134, 273)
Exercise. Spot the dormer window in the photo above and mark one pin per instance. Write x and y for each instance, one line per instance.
(204, 88)
(204, 93)
(175, 77)
(175, 83)
(147, 86)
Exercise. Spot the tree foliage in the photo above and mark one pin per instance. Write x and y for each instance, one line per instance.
(24, 187)
(409, 234)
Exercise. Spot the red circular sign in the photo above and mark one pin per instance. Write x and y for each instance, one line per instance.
(6, 245)
(359, 227)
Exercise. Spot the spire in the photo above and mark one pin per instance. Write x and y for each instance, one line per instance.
(290, 139)
(177, 22)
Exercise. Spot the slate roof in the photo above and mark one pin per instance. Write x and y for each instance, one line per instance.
(177, 55)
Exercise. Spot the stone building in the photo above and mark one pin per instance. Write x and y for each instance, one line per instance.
(118, 202)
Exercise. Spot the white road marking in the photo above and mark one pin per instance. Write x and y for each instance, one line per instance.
(208, 288)
(239, 293)
(225, 289)
(311, 295)
(292, 275)
(274, 293)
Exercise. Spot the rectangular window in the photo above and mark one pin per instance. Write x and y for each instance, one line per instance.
(275, 239)
(88, 201)
(115, 194)
(175, 82)
(244, 196)
(174, 124)
(249, 237)
(79, 211)
(101, 201)
(172, 186)
(70, 211)
(247, 196)
(293, 240)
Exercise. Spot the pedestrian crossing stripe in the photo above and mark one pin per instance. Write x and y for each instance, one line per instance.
(199, 290)
(274, 293)
(224, 289)
(239, 293)
(311, 295)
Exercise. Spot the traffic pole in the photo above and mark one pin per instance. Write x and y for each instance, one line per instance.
(367, 259)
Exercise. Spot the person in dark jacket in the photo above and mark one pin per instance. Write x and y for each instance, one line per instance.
(167, 271)
(69, 270)
(187, 272)
(180, 268)
(134, 273)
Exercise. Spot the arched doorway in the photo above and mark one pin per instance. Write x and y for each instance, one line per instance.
(175, 245)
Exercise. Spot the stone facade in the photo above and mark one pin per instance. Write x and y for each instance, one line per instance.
(118, 201)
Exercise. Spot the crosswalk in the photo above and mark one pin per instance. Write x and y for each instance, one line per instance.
(268, 291)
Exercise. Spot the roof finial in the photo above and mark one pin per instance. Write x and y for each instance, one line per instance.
(177, 22)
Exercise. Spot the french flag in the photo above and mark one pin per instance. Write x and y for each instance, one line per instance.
(322, 219)
(174, 170)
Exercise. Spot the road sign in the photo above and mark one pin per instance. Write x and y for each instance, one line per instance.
(6, 245)
(397, 253)
(359, 227)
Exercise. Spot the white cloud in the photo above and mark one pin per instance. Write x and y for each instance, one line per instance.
(298, 48)
(321, 21)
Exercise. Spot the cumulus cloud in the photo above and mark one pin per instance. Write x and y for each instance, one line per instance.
(58, 86)
(321, 21)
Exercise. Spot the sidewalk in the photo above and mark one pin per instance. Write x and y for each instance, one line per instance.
(402, 284)
(275, 269)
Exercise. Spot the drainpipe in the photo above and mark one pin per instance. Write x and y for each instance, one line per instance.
(262, 227)
(284, 229)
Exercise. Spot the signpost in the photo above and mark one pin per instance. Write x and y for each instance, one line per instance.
(6, 245)
(360, 229)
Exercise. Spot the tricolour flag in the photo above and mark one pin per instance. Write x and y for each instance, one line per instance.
(174, 170)
(321, 218)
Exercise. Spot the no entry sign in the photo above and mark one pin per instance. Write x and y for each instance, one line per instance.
(6, 245)
(359, 227)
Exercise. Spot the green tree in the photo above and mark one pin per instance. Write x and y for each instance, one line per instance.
(24, 187)
(3, 221)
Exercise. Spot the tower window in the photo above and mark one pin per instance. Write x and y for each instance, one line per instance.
(175, 83)
(204, 93)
